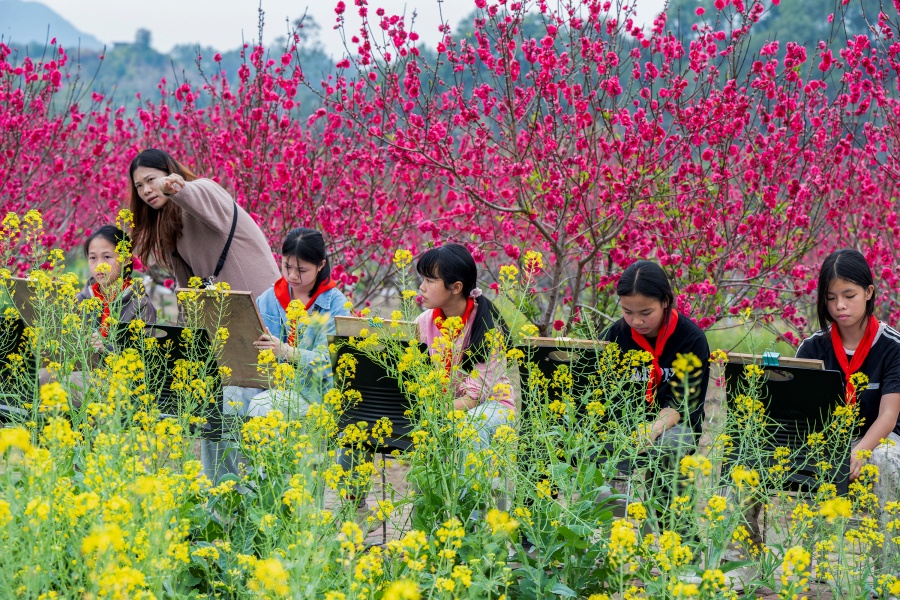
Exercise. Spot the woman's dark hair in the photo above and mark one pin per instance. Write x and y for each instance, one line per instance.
(647, 279)
(114, 236)
(156, 231)
(849, 265)
(453, 263)
(308, 245)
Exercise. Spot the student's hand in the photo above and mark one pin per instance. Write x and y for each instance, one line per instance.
(283, 351)
(464, 403)
(171, 184)
(856, 463)
(97, 342)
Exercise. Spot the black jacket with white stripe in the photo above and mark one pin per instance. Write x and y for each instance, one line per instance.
(882, 367)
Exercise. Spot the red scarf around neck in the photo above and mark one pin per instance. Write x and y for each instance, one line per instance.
(656, 374)
(104, 316)
(283, 292)
(855, 363)
(283, 295)
(437, 315)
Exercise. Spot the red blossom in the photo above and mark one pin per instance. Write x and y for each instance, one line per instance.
(590, 140)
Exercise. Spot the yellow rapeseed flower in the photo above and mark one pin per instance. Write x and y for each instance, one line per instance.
(34, 220)
(672, 553)
(622, 543)
(795, 562)
(125, 219)
(102, 538)
(403, 589)
(509, 274)
(14, 437)
(695, 463)
(270, 577)
(637, 511)
(715, 508)
(836, 508)
(859, 381)
(753, 371)
(402, 258)
(718, 357)
(500, 523)
(743, 476)
(5, 513)
(534, 261)
(685, 364)
(53, 397)
(11, 224)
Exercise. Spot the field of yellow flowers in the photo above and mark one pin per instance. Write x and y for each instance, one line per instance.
(103, 494)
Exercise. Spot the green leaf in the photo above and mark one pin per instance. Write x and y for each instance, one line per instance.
(560, 589)
(576, 535)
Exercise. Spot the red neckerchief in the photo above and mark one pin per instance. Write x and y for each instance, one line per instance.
(438, 315)
(104, 316)
(656, 374)
(283, 295)
(859, 356)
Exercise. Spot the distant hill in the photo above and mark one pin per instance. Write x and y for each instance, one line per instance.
(128, 73)
(26, 23)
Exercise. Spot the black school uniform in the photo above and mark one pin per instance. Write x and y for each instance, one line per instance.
(687, 338)
(882, 367)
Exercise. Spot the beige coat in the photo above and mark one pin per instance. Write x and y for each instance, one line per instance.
(206, 215)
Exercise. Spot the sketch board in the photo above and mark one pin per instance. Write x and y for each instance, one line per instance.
(783, 361)
(20, 297)
(562, 342)
(352, 326)
(244, 324)
(380, 393)
(798, 401)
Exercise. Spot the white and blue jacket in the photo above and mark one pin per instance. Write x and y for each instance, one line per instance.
(313, 367)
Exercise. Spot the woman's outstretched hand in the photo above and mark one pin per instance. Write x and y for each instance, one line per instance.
(170, 184)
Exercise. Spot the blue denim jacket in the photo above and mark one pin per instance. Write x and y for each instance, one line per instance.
(313, 369)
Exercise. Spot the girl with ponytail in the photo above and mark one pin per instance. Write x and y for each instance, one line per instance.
(449, 290)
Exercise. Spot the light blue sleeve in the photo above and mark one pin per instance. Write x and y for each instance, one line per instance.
(314, 349)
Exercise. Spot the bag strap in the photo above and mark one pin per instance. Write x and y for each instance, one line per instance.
(224, 255)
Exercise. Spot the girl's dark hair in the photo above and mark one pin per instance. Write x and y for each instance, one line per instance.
(453, 263)
(647, 279)
(114, 236)
(156, 231)
(849, 265)
(308, 245)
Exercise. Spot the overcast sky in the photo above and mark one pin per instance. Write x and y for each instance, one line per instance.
(220, 23)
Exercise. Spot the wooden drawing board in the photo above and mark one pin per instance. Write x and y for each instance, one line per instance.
(783, 361)
(352, 326)
(20, 297)
(561, 342)
(244, 324)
